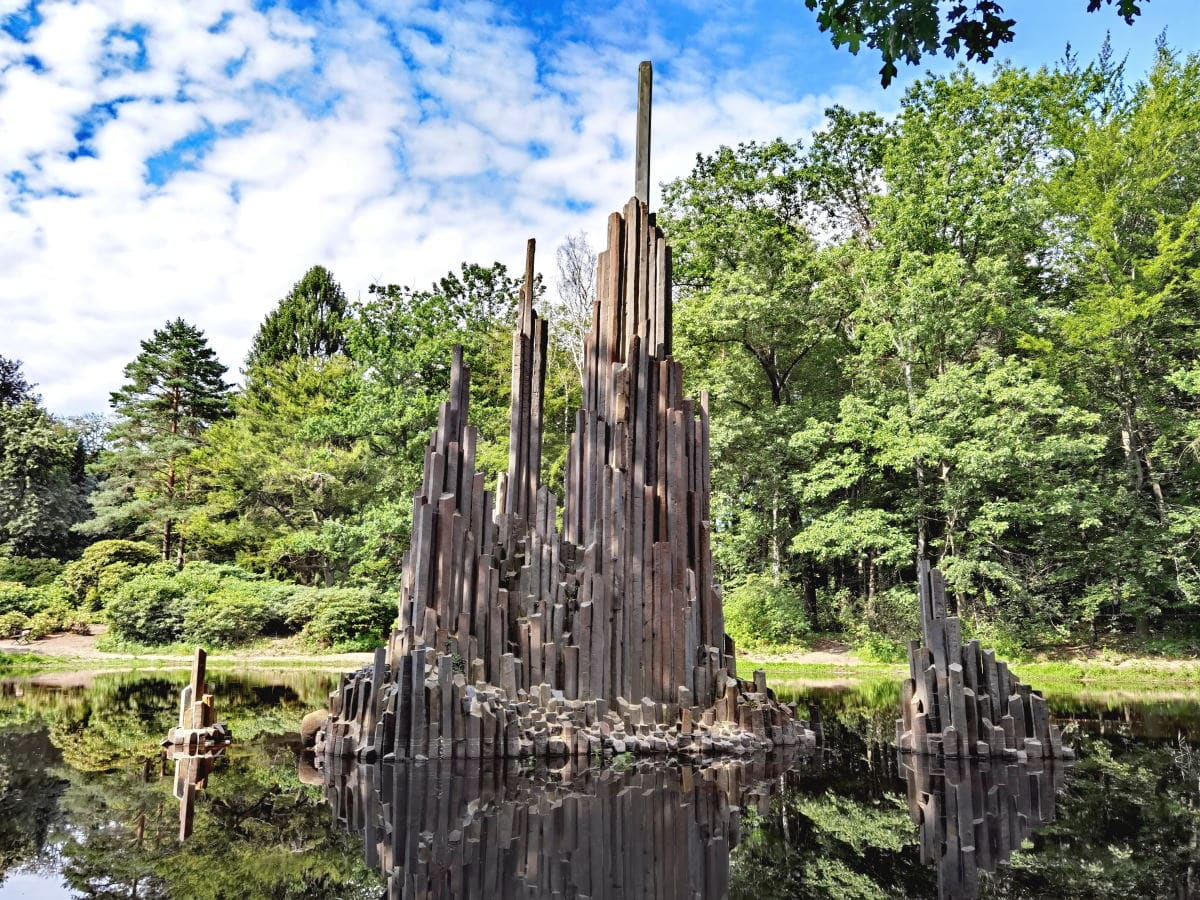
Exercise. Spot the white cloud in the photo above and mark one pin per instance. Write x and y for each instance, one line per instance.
(386, 145)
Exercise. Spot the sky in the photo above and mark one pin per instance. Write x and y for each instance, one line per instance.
(191, 159)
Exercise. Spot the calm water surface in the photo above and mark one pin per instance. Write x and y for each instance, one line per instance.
(86, 808)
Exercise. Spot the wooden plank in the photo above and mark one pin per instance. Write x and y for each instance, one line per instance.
(642, 150)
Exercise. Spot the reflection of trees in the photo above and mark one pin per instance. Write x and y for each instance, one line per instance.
(29, 793)
(1128, 826)
(258, 833)
(839, 826)
(120, 717)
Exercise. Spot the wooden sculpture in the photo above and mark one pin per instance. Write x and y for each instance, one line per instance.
(194, 744)
(961, 702)
(519, 635)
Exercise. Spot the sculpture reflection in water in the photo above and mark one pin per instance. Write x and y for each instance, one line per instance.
(974, 813)
(195, 743)
(455, 828)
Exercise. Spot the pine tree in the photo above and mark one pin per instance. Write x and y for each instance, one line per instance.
(309, 322)
(175, 390)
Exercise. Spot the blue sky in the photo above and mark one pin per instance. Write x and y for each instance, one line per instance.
(193, 159)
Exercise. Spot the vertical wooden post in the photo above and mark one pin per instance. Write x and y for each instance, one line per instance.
(641, 187)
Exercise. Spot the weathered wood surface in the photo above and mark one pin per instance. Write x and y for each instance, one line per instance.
(961, 702)
(194, 743)
(605, 633)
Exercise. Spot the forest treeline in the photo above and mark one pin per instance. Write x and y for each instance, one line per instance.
(967, 331)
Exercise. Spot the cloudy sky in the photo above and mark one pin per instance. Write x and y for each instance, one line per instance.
(166, 159)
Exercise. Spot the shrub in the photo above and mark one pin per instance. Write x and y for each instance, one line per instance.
(82, 577)
(12, 624)
(44, 623)
(149, 609)
(300, 605)
(29, 571)
(763, 611)
(201, 578)
(16, 597)
(53, 594)
(229, 616)
(346, 617)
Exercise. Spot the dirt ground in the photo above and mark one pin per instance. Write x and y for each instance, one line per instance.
(83, 646)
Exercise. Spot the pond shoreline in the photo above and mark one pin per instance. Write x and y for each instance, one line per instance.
(831, 662)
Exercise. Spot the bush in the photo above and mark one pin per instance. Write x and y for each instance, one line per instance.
(29, 571)
(350, 617)
(83, 576)
(46, 622)
(12, 624)
(150, 609)
(16, 597)
(231, 615)
(761, 611)
(53, 594)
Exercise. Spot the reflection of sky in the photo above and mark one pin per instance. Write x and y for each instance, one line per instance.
(19, 884)
(195, 162)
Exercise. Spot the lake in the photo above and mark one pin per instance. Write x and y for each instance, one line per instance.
(86, 808)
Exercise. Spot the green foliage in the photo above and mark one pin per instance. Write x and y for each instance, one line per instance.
(150, 608)
(12, 623)
(175, 391)
(762, 611)
(16, 597)
(350, 618)
(102, 568)
(970, 334)
(309, 322)
(907, 30)
(43, 623)
(42, 483)
(28, 570)
(229, 616)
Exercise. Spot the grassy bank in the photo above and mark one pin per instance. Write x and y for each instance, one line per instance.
(1133, 672)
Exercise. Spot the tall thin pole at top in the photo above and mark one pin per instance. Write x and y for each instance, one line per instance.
(641, 185)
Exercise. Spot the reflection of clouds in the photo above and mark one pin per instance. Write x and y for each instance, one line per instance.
(974, 813)
(454, 828)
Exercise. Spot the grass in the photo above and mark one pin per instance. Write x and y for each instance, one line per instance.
(1145, 674)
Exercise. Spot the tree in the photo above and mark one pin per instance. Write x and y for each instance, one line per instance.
(909, 29)
(175, 391)
(1127, 342)
(43, 488)
(14, 388)
(43, 485)
(571, 317)
(284, 475)
(756, 331)
(310, 322)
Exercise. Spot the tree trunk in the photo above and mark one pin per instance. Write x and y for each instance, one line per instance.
(810, 597)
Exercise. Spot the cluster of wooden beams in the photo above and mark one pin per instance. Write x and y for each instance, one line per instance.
(974, 813)
(524, 635)
(442, 829)
(516, 638)
(960, 701)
